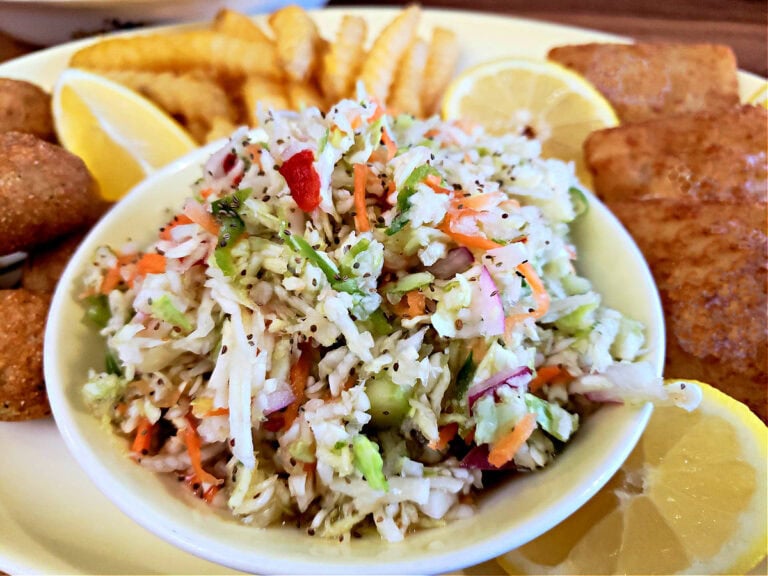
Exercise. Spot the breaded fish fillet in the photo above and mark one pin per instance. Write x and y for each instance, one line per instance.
(24, 107)
(644, 81)
(45, 264)
(707, 156)
(692, 191)
(710, 264)
(22, 324)
(45, 192)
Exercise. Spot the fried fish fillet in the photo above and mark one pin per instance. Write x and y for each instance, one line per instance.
(709, 262)
(45, 192)
(25, 107)
(704, 157)
(22, 324)
(644, 81)
(692, 191)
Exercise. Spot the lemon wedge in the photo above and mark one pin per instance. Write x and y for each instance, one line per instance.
(690, 499)
(121, 136)
(760, 97)
(536, 98)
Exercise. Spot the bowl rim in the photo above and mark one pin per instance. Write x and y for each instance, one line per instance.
(119, 491)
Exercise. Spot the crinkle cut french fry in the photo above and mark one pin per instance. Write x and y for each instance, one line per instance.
(239, 25)
(441, 64)
(181, 52)
(270, 93)
(220, 127)
(342, 61)
(304, 95)
(297, 42)
(378, 70)
(406, 90)
(184, 96)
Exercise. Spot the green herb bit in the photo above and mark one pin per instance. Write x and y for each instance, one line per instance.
(465, 376)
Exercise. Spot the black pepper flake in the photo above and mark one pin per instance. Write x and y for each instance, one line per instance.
(224, 349)
(396, 366)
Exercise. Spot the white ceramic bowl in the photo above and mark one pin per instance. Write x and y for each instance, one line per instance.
(48, 22)
(510, 514)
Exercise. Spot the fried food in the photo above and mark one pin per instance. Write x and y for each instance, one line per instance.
(188, 98)
(441, 64)
(45, 192)
(645, 81)
(708, 157)
(304, 95)
(409, 79)
(378, 70)
(297, 41)
(709, 262)
(240, 26)
(270, 93)
(205, 50)
(342, 61)
(692, 191)
(22, 324)
(45, 265)
(25, 107)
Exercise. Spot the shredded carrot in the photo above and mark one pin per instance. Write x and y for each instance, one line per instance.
(143, 439)
(431, 133)
(505, 449)
(205, 193)
(356, 122)
(537, 287)
(192, 441)
(470, 437)
(151, 263)
(544, 375)
(378, 113)
(476, 202)
(181, 219)
(210, 494)
(391, 146)
(412, 304)
(361, 214)
(298, 376)
(216, 412)
(445, 434)
(434, 181)
(111, 280)
(200, 216)
(479, 242)
(539, 294)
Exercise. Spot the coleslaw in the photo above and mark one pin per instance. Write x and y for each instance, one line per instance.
(354, 317)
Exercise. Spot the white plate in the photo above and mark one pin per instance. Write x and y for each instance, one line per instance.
(52, 518)
(48, 22)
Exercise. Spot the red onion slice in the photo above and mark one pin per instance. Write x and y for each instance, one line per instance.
(278, 400)
(515, 377)
(455, 262)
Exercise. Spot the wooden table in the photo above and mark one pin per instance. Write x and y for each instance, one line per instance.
(741, 24)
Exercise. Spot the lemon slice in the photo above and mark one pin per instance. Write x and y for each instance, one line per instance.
(691, 499)
(121, 136)
(760, 97)
(532, 97)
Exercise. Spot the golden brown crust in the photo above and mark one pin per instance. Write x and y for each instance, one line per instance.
(45, 192)
(22, 325)
(707, 157)
(706, 244)
(644, 81)
(24, 107)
